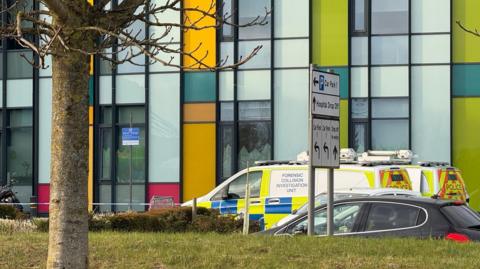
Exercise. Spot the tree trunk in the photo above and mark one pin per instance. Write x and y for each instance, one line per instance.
(68, 231)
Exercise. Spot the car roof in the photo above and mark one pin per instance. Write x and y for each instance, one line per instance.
(425, 201)
(373, 191)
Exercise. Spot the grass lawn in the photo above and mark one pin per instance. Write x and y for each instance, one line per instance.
(156, 250)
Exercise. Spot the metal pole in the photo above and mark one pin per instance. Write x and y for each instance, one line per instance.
(311, 170)
(194, 209)
(311, 199)
(330, 225)
(246, 217)
(130, 170)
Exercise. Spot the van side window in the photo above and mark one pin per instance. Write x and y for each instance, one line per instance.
(384, 216)
(236, 189)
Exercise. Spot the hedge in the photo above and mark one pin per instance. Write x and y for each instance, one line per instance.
(175, 219)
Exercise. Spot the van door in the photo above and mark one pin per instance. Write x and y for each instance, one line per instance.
(287, 191)
(231, 199)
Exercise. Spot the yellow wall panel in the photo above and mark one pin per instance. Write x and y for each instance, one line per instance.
(198, 159)
(330, 32)
(344, 123)
(202, 112)
(466, 46)
(205, 38)
(466, 144)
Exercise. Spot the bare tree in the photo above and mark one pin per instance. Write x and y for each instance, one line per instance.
(71, 31)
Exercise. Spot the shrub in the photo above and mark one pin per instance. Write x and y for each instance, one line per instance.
(178, 219)
(10, 226)
(7, 212)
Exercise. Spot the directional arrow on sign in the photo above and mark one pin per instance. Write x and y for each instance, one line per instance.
(325, 149)
(314, 102)
(315, 81)
(317, 149)
(335, 152)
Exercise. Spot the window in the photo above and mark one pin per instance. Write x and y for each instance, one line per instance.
(344, 218)
(359, 108)
(254, 132)
(262, 58)
(288, 23)
(359, 50)
(249, 10)
(390, 134)
(391, 216)
(228, 15)
(121, 171)
(360, 16)
(226, 150)
(236, 189)
(389, 50)
(389, 16)
(390, 108)
(131, 159)
(19, 152)
(360, 137)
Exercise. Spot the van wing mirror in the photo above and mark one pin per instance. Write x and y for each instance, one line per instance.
(298, 230)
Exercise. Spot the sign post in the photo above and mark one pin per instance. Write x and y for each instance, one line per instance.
(324, 137)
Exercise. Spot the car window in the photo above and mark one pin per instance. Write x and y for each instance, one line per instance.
(383, 216)
(236, 189)
(344, 219)
(462, 216)
(321, 199)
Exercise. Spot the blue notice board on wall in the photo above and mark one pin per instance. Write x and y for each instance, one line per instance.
(130, 136)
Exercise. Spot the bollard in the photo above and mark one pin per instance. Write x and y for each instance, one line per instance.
(194, 209)
(33, 206)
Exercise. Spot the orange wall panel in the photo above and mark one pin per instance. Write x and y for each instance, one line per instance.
(204, 112)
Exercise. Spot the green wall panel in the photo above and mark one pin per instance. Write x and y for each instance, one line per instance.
(199, 87)
(344, 123)
(330, 32)
(465, 46)
(466, 80)
(344, 78)
(466, 144)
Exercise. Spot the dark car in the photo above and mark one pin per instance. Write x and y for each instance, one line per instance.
(392, 216)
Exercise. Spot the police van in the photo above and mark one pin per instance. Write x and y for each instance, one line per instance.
(279, 187)
(430, 178)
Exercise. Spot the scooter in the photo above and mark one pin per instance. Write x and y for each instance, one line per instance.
(7, 196)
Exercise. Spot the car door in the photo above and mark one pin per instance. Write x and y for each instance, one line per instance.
(393, 219)
(346, 220)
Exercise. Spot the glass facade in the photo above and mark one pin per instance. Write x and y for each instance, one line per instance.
(391, 71)
(397, 88)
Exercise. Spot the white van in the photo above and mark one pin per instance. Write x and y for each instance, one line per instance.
(278, 188)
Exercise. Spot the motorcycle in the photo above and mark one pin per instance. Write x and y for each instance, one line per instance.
(7, 196)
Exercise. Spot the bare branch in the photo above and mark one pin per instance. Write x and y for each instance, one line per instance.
(116, 27)
(473, 32)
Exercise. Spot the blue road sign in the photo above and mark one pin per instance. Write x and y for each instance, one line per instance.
(130, 136)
